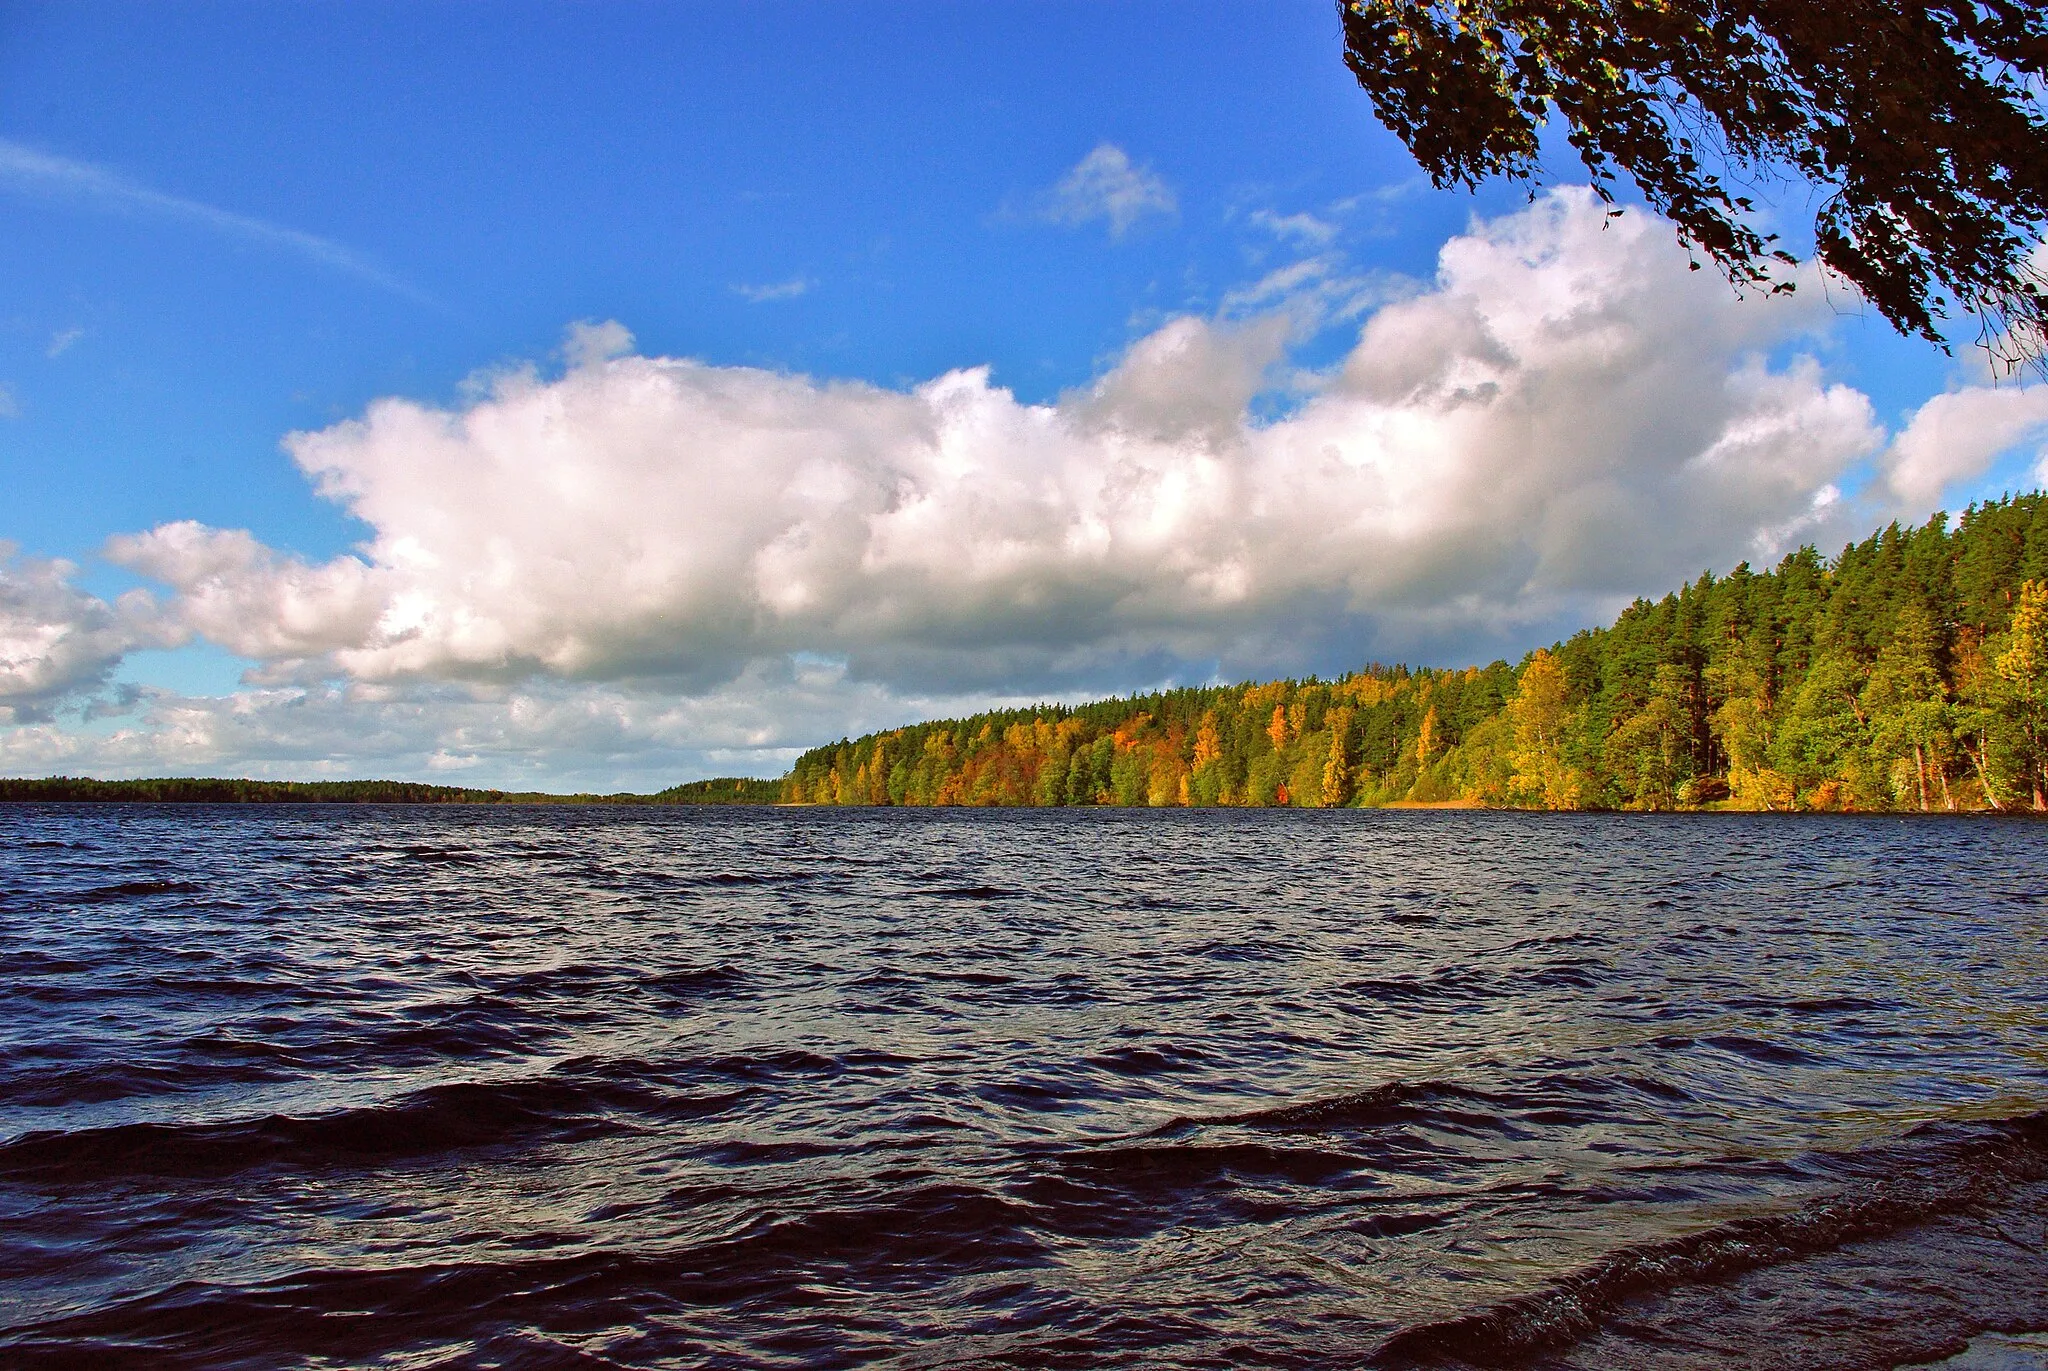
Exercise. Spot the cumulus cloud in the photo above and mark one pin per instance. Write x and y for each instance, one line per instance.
(57, 642)
(1107, 185)
(257, 603)
(644, 566)
(589, 342)
(1956, 436)
(1565, 418)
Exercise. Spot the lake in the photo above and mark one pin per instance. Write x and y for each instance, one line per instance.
(312, 1086)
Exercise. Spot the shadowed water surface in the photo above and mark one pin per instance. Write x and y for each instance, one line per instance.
(326, 1086)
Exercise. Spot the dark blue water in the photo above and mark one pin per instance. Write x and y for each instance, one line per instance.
(336, 1086)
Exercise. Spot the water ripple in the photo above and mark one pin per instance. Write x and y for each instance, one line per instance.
(327, 1086)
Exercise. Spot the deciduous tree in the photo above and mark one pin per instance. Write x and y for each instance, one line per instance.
(1920, 123)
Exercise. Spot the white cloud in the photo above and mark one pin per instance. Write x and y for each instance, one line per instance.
(1956, 436)
(58, 642)
(1565, 419)
(651, 567)
(61, 342)
(1303, 228)
(1377, 211)
(10, 408)
(777, 290)
(1107, 185)
(258, 603)
(1315, 292)
(589, 342)
(25, 170)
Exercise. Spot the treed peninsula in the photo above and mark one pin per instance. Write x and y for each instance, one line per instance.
(1909, 673)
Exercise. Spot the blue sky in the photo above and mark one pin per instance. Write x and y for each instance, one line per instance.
(225, 224)
(520, 167)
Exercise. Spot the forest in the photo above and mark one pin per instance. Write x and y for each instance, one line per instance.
(214, 790)
(1909, 673)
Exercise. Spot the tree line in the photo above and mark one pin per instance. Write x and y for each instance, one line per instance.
(214, 790)
(1908, 673)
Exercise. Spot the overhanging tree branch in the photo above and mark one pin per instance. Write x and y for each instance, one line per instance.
(1924, 124)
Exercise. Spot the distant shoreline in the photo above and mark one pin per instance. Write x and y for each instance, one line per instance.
(724, 790)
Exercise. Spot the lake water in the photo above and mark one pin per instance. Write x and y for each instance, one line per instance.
(449, 1087)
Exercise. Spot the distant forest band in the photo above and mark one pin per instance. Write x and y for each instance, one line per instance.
(726, 790)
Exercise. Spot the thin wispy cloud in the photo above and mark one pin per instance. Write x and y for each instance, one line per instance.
(776, 290)
(1316, 291)
(1107, 185)
(1303, 228)
(26, 171)
(1376, 212)
(61, 341)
